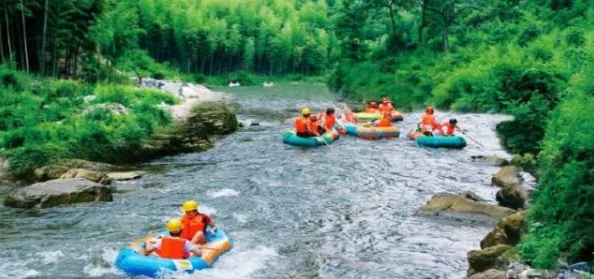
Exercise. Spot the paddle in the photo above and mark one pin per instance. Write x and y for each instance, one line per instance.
(471, 138)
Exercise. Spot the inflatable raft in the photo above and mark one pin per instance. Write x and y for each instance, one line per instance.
(437, 141)
(372, 133)
(133, 260)
(369, 117)
(293, 139)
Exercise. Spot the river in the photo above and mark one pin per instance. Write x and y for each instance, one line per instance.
(345, 211)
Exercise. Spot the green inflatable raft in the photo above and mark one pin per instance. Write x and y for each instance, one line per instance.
(292, 138)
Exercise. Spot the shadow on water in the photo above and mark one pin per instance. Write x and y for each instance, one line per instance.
(342, 212)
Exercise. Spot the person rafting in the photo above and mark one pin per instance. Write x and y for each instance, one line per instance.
(301, 124)
(384, 121)
(173, 246)
(329, 121)
(195, 223)
(428, 122)
(450, 127)
(349, 117)
(386, 106)
(372, 108)
(313, 126)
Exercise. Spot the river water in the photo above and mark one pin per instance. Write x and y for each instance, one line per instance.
(345, 211)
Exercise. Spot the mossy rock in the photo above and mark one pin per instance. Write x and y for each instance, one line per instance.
(493, 257)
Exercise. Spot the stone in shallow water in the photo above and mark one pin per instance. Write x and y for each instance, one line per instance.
(506, 177)
(124, 175)
(489, 160)
(58, 192)
(460, 207)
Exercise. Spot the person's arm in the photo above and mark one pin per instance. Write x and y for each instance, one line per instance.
(152, 245)
(191, 248)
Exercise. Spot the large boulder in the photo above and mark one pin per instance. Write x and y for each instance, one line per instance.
(514, 197)
(489, 160)
(212, 118)
(58, 192)
(490, 258)
(508, 231)
(57, 169)
(460, 207)
(507, 176)
(94, 176)
(490, 274)
(124, 175)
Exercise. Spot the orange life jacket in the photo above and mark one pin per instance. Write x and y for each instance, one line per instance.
(428, 119)
(172, 248)
(371, 110)
(450, 128)
(329, 121)
(301, 125)
(192, 226)
(386, 108)
(313, 126)
(384, 122)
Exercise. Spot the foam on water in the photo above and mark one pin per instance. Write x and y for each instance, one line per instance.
(241, 218)
(49, 257)
(235, 264)
(17, 270)
(225, 192)
(104, 266)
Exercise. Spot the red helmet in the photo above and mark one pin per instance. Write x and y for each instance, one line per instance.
(429, 110)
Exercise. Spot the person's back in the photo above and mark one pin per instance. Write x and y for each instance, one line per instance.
(173, 248)
(328, 119)
(300, 124)
(384, 122)
(428, 121)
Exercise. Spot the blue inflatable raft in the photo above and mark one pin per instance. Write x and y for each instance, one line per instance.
(438, 141)
(293, 139)
(134, 261)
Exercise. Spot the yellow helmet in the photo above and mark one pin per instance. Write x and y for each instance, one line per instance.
(174, 226)
(190, 206)
(305, 111)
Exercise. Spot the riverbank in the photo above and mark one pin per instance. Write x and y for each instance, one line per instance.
(104, 123)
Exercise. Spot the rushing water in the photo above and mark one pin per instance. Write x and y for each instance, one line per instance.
(345, 211)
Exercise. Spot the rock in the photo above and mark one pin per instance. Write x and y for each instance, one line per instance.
(472, 196)
(254, 124)
(457, 206)
(490, 274)
(124, 175)
(58, 192)
(514, 197)
(113, 108)
(56, 170)
(489, 258)
(489, 160)
(507, 176)
(534, 274)
(212, 118)
(508, 231)
(94, 176)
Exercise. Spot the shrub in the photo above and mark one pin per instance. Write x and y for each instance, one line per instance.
(24, 160)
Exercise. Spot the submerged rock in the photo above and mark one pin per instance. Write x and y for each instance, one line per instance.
(514, 197)
(94, 176)
(490, 258)
(489, 160)
(58, 192)
(507, 176)
(124, 175)
(459, 206)
(490, 274)
(508, 231)
(5, 177)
